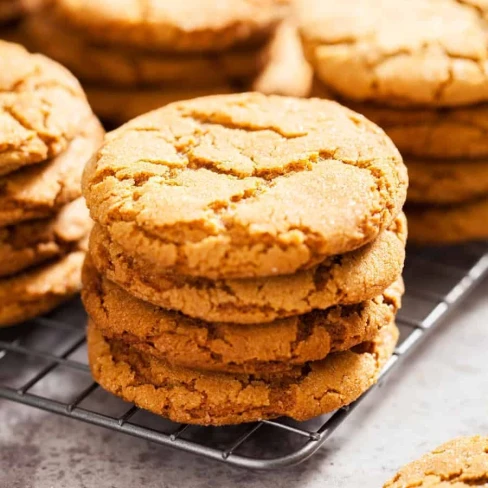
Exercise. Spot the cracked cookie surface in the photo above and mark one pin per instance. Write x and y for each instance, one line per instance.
(233, 348)
(130, 68)
(245, 185)
(42, 107)
(32, 243)
(192, 25)
(41, 289)
(459, 463)
(450, 182)
(351, 278)
(448, 224)
(41, 190)
(407, 52)
(212, 398)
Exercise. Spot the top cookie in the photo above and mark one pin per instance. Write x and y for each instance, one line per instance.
(191, 25)
(407, 52)
(245, 185)
(457, 463)
(42, 107)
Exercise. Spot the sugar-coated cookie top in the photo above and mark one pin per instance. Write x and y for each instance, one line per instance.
(402, 52)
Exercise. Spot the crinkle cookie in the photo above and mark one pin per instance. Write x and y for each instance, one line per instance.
(41, 289)
(41, 190)
(346, 279)
(447, 182)
(190, 25)
(252, 348)
(459, 463)
(450, 224)
(34, 242)
(42, 108)
(210, 398)
(406, 52)
(245, 185)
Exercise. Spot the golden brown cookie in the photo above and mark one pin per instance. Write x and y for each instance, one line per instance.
(41, 190)
(42, 107)
(132, 67)
(459, 463)
(407, 52)
(245, 185)
(211, 398)
(192, 25)
(41, 289)
(351, 278)
(450, 182)
(119, 105)
(448, 224)
(34, 242)
(192, 343)
(287, 72)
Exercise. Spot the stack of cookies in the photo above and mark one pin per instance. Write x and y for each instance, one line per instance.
(147, 54)
(246, 258)
(419, 69)
(47, 133)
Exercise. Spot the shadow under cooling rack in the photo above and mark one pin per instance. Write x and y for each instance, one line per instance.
(43, 364)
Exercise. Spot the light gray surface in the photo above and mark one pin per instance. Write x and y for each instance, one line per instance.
(442, 392)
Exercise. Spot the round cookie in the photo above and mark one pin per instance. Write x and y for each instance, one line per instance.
(211, 398)
(40, 290)
(438, 58)
(348, 279)
(41, 190)
(119, 105)
(192, 343)
(459, 463)
(448, 224)
(32, 243)
(446, 182)
(245, 185)
(42, 107)
(132, 67)
(192, 25)
(425, 133)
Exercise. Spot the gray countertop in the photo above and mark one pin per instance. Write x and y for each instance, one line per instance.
(441, 393)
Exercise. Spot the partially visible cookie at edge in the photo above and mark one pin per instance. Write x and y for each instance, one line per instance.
(461, 462)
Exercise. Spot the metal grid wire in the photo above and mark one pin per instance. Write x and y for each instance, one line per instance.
(43, 364)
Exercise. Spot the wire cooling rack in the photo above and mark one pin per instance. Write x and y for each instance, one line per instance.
(43, 364)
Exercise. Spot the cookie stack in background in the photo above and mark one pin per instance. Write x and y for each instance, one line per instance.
(148, 54)
(246, 258)
(419, 69)
(47, 133)
(12, 10)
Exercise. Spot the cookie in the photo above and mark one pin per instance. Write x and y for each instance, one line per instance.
(450, 182)
(245, 185)
(448, 224)
(131, 67)
(191, 25)
(437, 58)
(41, 289)
(34, 242)
(41, 190)
(287, 72)
(351, 278)
(459, 463)
(118, 105)
(212, 398)
(192, 343)
(42, 107)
